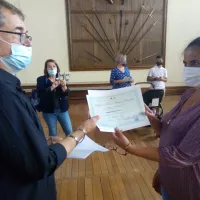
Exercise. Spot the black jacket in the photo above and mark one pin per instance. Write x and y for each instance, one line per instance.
(27, 163)
(47, 97)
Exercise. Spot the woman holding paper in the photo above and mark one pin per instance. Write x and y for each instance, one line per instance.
(178, 153)
(120, 75)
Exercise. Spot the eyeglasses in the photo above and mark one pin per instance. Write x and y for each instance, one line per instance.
(24, 38)
(112, 147)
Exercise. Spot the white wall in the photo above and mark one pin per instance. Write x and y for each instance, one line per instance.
(46, 22)
(182, 27)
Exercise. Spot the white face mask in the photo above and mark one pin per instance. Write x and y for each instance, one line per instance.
(192, 76)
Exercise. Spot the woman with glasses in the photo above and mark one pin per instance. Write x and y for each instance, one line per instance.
(120, 75)
(53, 95)
(178, 153)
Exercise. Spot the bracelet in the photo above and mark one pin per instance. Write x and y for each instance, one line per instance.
(76, 138)
(84, 132)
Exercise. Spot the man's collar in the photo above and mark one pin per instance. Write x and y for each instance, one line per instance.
(9, 78)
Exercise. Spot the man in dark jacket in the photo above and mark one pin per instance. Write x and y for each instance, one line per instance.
(27, 162)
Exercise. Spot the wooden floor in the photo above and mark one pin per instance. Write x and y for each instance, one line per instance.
(108, 176)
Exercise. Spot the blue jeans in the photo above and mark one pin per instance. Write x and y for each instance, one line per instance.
(62, 117)
(165, 196)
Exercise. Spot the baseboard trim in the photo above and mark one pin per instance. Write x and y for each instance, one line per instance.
(79, 91)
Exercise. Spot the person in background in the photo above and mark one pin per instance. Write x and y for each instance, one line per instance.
(53, 95)
(120, 75)
(27, 162)
(178, 153)
(158, 77)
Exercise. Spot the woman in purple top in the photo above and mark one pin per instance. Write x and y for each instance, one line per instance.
(120, 75)
(178, 153)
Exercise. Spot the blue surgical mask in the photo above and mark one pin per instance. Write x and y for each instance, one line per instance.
(52, 72)
(19, 59)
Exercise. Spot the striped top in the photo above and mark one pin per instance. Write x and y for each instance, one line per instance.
(180, 151)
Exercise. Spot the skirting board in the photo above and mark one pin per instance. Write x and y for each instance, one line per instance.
(79, 91)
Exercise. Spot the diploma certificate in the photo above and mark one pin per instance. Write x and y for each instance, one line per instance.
(122, 108)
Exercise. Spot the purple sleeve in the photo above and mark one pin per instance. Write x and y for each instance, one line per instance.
(187, 153)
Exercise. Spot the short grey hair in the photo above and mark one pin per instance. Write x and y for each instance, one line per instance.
(10, 7)
(120, 57)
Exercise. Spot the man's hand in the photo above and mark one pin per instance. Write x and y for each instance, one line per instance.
(90, 124)
(53, 139)
(163, 79)
(156, 79)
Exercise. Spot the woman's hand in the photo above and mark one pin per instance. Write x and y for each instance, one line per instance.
(131, 79)
(121, 140)
(154, 121)
(55, 84)
(63, 85)
(126, 79)
(88, 115)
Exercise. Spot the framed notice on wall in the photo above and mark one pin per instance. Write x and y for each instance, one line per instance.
(99, 30)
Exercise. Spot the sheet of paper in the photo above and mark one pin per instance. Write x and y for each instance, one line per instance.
(155, 102)
(122, 108)
(85, 148)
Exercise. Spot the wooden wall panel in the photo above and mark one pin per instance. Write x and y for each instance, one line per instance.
(80, 40)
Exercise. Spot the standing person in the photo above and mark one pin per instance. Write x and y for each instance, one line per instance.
(120, 75)
(178, 153)
(54, 99)
(27, 162)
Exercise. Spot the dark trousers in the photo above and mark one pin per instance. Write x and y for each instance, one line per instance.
(153, 94)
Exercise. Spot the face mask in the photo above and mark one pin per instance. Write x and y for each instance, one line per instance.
(52, 72)
(19, 59)
(159, 63)
(192, 76)
(125, 63)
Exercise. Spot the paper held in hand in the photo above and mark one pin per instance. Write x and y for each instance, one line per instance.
(85, 148)
(122, 108)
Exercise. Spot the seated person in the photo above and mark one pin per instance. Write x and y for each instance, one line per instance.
(158, 77)
(120, 75)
